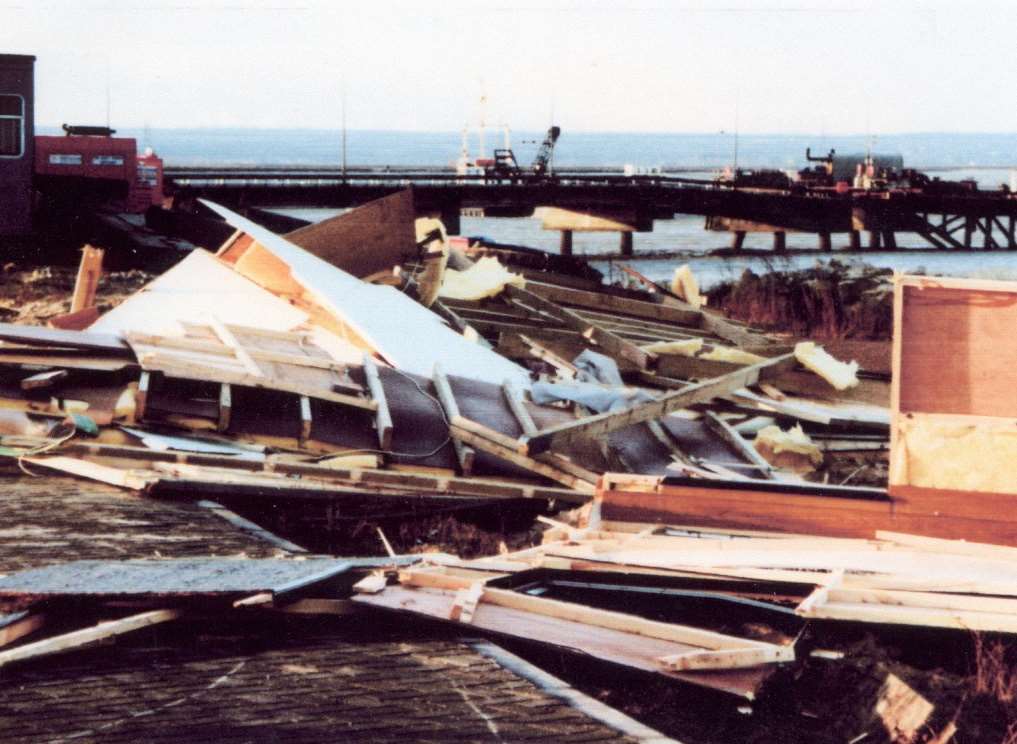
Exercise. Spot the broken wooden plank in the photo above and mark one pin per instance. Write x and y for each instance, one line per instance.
(89, 272)
(86, 637)
(727, 433)
(609, 341)
(514, 398)
(603, 301)
(464, 453)
(382, 417)
(91, 470)
(564, 368)
(702, 392)
(506, 448)
(728, 658)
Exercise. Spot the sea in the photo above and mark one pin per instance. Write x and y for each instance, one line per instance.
(989, 159)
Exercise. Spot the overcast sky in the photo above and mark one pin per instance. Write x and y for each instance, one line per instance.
(808, 67)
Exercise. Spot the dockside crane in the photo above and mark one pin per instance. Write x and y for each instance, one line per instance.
(542, 163)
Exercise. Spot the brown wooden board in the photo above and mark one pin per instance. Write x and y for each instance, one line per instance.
(956, 350)
(373, 237)
(627, 649)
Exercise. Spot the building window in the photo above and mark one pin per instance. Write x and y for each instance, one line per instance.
(12, 126)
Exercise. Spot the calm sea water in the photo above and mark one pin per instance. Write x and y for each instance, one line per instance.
(991, 159)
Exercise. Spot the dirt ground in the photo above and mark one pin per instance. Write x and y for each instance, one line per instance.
(34, 295)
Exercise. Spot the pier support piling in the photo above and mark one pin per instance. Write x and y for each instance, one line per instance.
(889, 240)
(737, 240)
(855, 240)
(626, 244)
(875, 241)
(825, 243)
(779, 242)
(566, 243)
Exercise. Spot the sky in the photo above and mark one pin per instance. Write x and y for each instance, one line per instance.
(698, 66)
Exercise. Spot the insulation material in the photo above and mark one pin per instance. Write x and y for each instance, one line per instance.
(435, 258)
(731, 355)
(382, 316)
(790, 450)
(689, 347)
(959, 456)
(842, 375)
(685, 286)
(486, 278)
(693, 347)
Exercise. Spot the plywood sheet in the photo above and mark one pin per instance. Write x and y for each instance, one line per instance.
(370, 238)
(956, 350)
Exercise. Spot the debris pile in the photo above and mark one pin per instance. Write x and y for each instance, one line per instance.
(342, 380)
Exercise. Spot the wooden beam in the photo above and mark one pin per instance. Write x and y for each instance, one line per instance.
(603, 301)
(726, 432)
(514, 398)
(382, 417)
(603, 423)
(89, 272)
(226, 336)
(87, 636)
(464, 453)
(609, 341)
(728, 658)
(506, 448)
(91, 470)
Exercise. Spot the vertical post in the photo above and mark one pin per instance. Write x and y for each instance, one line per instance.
(566, 242)
(825, 243)
(450, 217)
(969, 229)
(889, 240)
(626, 243)
(780, 241)
(875, 242)
(855, 239)
(89, 272)
(737, 240)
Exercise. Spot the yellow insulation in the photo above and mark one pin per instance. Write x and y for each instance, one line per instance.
(486, 278)
(842, 375)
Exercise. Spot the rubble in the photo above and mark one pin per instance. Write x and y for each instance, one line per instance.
(379, 447)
